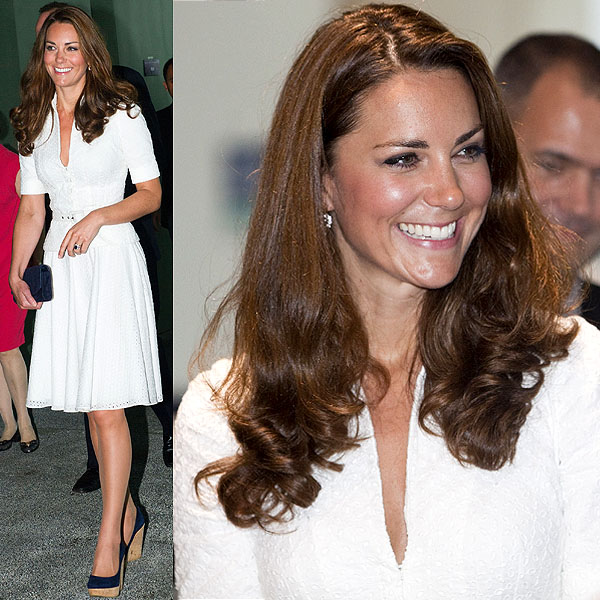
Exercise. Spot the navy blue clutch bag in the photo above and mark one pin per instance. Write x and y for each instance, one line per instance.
(39, 280)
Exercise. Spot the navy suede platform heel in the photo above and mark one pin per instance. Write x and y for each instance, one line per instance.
(135, 546)
(109, 587)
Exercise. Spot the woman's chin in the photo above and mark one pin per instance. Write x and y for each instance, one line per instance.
(435, 278)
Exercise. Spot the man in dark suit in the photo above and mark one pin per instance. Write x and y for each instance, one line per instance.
(90, 480)
(551, 85)
(165, 120)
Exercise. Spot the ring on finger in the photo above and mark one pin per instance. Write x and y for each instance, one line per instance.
(76, 247)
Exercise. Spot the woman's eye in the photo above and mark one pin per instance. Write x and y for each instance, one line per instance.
(72, 48)
(49, 47)
(403, 161)
(472, 152)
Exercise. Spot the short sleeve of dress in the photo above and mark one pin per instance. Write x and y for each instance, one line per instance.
(30, 184)
(578, 431)
(136, 144)
(213, 558)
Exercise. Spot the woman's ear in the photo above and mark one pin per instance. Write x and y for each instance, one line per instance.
(328, 185)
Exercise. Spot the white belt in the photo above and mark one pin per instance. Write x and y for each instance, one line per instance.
(74, 215)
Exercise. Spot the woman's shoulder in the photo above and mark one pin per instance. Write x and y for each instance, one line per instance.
(201, 417)
(199, 399)
(127, 112)
(583, 358)
(129, 124)
(571, 389)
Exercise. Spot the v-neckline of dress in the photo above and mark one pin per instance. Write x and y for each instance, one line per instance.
(389, 550)
(55, 107)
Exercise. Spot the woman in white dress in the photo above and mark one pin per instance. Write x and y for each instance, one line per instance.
(94, 347)
(406, 414)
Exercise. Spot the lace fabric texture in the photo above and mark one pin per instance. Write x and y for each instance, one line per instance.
(528, 531)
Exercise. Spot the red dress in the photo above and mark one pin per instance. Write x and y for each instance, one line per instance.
(12, 317)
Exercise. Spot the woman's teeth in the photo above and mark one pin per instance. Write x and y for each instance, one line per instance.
(428, 232)
(63, 70)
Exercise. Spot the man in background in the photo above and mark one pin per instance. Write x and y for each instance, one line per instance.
(551, 85)
(165, 120)
(45, 10)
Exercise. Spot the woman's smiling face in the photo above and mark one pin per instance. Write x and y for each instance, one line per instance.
(63, 58)
(409, 186)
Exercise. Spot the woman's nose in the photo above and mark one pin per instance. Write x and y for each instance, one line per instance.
(444, 189)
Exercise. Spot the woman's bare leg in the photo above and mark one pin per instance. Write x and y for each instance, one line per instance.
(15, 374)
(110, 436)
(128, 518)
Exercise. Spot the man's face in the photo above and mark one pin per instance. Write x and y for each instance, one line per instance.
(559, 133)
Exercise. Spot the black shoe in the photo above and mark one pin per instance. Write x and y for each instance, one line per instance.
(88, 482)
(168, 450)
(29, 447)
(6, 444)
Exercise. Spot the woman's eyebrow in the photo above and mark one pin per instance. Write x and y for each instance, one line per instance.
(421, 144)
(465, 136)
(404, 143)
(65, 44)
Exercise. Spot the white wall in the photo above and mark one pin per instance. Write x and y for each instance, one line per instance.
(230, 59)
(496, 24)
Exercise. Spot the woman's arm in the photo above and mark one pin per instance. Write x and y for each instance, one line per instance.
(213, 558)
(146, 200)
(136, 145)
(27, 231)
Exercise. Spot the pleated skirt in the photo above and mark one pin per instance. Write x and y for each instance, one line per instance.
(95, 345)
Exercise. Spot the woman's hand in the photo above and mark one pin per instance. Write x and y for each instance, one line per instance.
(22, 295)
(80, 236)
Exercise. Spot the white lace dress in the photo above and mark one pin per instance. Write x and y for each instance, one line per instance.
(95, 343)
(528, 531)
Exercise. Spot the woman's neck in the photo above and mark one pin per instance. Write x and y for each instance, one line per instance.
(391, 322)
(67, 99)
(391, 325)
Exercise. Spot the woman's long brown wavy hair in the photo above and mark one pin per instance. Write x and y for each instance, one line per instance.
(300, 346)
(101, 96)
